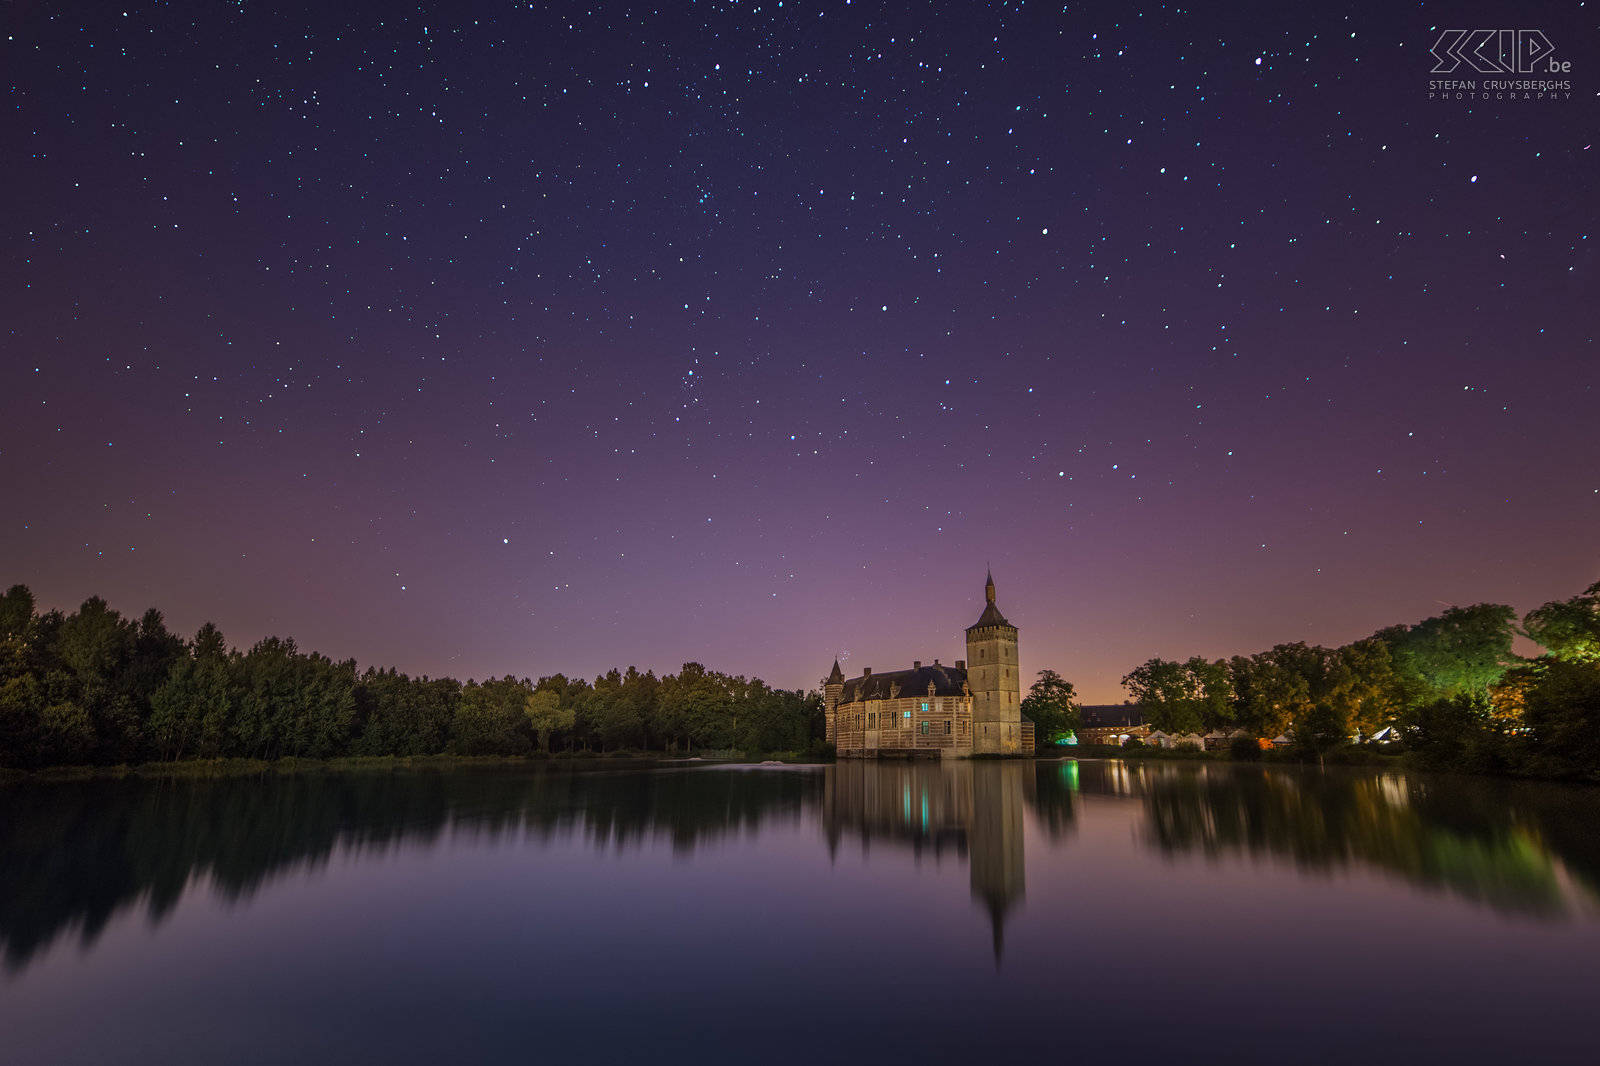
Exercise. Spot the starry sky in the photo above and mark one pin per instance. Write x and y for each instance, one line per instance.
(487, 338)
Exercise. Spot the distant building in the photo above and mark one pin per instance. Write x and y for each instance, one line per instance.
(1112, 723)
(944, 711)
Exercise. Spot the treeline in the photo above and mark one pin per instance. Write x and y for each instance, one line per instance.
(94, 688)
(1449, 688)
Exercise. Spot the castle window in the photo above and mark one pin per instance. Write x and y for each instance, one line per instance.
(924, 706)
(924, 728)
(872, 718)
(947, 728)
(905, 714)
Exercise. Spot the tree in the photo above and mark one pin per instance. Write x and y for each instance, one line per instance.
(1454, 733)
(96, 646)
(547, 716)
(774, 720)
(1460, 653)
(95, 641)
(21, 721)
(16, 626)
(1273, 688)
(620, 725)
(1568, 629)
(1321, 726)
(1052, 704)
(1369, 692)
(191, 713)
(569, 695)
(695, 706)
(1563, 716)
(21, 699)
(643, 692)
(400, 715)
(1184, 697)
(491, 718)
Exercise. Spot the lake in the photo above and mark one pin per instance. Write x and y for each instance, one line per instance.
(895, 912)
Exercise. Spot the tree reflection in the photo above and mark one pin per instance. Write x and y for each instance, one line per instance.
(74, 854)
(1498, 843)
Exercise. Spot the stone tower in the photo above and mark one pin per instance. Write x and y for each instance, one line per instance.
(996, 685)
(832, 687)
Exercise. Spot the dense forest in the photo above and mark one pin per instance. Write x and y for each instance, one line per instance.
(1449, 689)
(94, 688)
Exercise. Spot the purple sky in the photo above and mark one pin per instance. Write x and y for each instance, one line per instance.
(509, 338)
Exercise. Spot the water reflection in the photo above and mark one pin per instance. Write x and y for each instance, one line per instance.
(1517, 847)
(973, 809)
(74, 854)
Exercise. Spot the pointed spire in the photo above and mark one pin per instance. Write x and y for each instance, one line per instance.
(837, 677)
(991, 614)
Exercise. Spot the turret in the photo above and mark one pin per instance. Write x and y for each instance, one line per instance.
(832, 689)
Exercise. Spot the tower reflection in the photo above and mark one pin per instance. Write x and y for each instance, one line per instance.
(970, 809)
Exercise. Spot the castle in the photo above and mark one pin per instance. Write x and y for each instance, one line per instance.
(944, 711)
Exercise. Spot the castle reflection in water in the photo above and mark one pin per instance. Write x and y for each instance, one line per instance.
(75, 854)
(970, 809)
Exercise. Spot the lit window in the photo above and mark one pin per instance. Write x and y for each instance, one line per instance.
(924, 728)
(924, 706)
(905, 714)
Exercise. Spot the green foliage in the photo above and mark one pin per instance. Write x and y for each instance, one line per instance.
(21, 722)
(192, 713)
(776, 720)
(1180, 698)
(1052, 705)
(1369, 691)
(398, 715)
(491, 718)
(16, 612)
(547, 716)
(696, 706)
(1568, 629)
(95, 688)
(1273, 688)
(1455, 733)
(1460, 653)
(1563, 716)
(1323, 726)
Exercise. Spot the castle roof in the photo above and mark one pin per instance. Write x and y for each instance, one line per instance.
(946, 681)
(836, 676)
(991, 615)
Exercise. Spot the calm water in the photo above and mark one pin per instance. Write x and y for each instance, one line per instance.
(771, 914)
